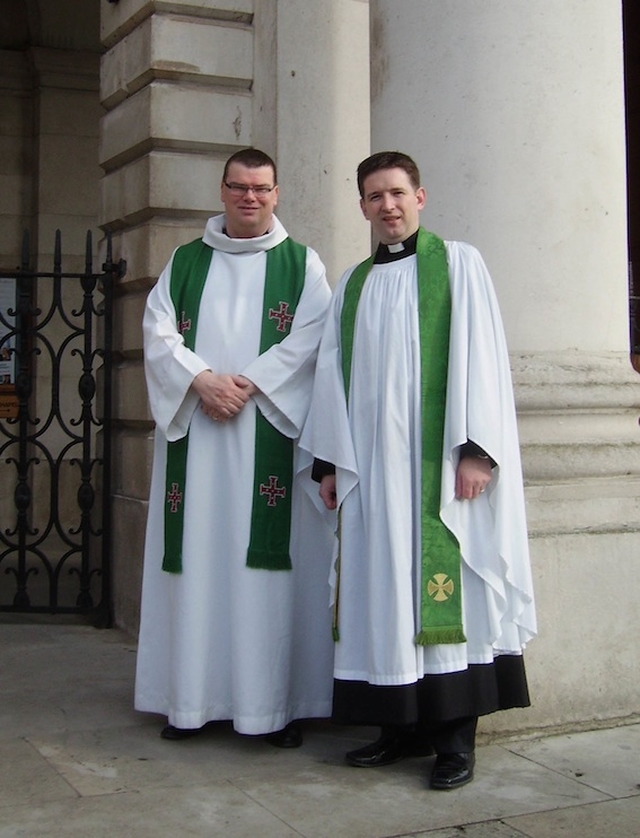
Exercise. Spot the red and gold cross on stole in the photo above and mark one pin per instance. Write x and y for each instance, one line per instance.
(272, 490)
(184, 325)
(174, 497)
(282, 315)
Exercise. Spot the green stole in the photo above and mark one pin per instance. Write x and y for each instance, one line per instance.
(273, 474)
(441, 595)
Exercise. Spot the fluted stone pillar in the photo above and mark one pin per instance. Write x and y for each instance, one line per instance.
(185, 84)
(322, 131)
(514, 111)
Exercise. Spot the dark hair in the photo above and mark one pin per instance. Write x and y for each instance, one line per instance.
(252, 158)
(387, 160)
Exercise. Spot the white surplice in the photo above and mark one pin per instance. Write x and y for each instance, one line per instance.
(375, 444)
(221, 640)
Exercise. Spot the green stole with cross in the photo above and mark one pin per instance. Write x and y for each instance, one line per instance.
(441, 594)
(273, 474)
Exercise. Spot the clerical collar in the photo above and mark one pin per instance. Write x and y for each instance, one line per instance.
(266, 233)
(400, 250)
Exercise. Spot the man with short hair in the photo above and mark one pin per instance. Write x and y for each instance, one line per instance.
(414, 430)
(235, 621)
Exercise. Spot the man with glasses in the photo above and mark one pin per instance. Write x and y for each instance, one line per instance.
(235, 623)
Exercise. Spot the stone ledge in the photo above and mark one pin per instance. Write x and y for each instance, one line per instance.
(162, 183)
(572, 379)
(588, 505)
(218, 54)
(116, 21)
(175, 116)
(577, 415)
(562, 461)
(147, 248)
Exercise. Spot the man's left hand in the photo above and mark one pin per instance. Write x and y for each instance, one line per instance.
(472, 476)
(247, 385)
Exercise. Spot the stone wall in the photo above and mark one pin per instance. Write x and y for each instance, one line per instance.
(184, 85)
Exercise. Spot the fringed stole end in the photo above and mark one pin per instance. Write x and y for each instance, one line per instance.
(440, 634)
(265, 560)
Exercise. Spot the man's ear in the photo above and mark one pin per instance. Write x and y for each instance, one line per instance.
(363, 208)
(421, 195)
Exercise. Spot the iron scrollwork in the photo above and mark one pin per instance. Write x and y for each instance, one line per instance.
(55, 542)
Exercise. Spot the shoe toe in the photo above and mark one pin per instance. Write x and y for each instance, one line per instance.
(177, 733)
(288, 737)
(452, 771)
(383, 751)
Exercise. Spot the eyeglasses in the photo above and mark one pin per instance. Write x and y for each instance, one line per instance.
(240, 189)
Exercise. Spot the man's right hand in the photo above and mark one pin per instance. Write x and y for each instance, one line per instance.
(220, 396)
(328, 491)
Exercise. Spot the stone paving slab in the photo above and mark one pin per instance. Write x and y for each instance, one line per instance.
(607, 760)
(136, 758)
(64, 677)
(26, 778)
(612, 819)
(395, 800)
(218, 810)
(76, 759)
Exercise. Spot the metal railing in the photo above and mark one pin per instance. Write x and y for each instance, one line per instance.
(55, 437)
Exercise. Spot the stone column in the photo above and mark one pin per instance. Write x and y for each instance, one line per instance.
(318, 90)
(184, 85)
(514, 111)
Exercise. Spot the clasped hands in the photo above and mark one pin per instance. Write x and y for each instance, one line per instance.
(222, 396)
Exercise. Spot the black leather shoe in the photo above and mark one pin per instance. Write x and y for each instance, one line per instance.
(384, 751)
(176, 733)
(289, 737)
(452, 771)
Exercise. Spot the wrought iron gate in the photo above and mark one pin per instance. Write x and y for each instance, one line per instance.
(55, 438)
